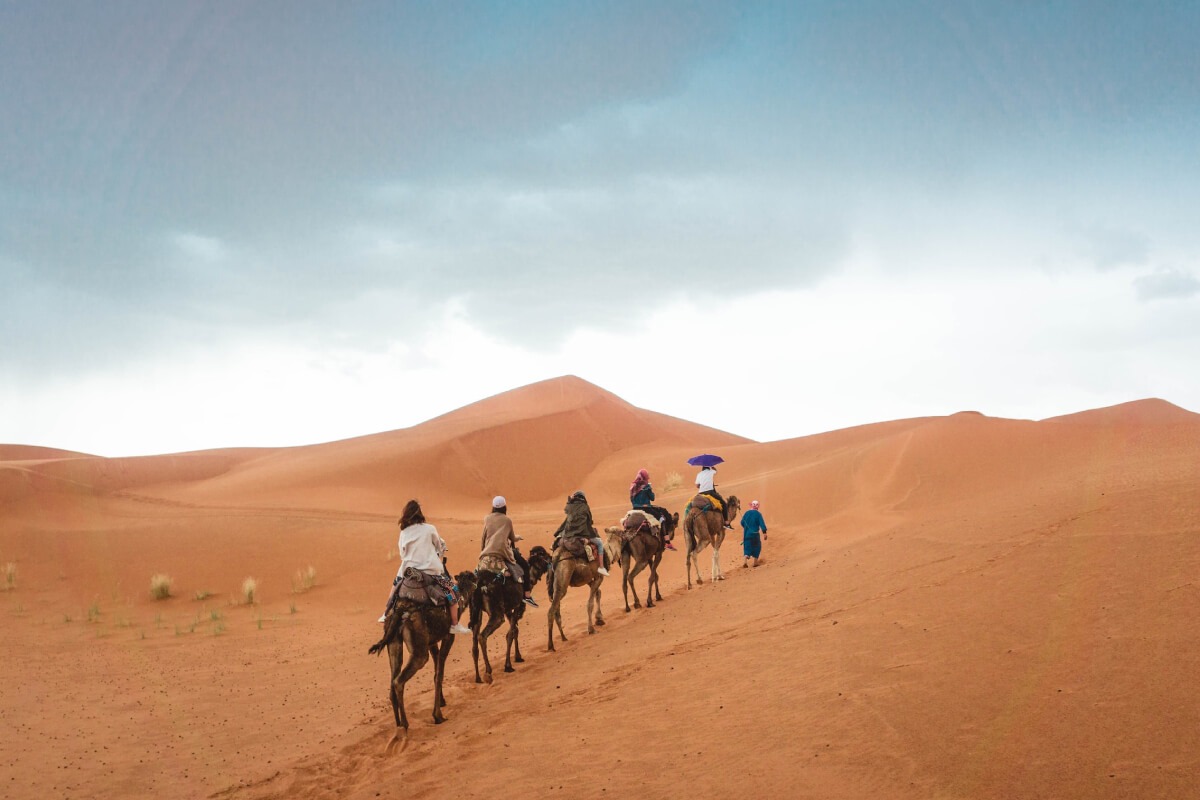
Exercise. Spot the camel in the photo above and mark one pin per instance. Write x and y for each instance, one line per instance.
(702, 528)
(567, 570)
(425, 631)
(501, 600)
(644, 549)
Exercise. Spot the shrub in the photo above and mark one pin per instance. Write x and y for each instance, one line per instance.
(249, 590)
(305, 579)
(202, 594)
(673, 481)
(160, 587)
(93, 612)
(10, 576)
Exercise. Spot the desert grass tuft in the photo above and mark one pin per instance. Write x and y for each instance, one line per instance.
(202, 594)
(292, 607)
(10, 576)
(249, 590)
(160, 586)
(673, 481)
(93, 612)
(305, 580)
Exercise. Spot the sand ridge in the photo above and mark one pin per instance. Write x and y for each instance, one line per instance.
(956, 606)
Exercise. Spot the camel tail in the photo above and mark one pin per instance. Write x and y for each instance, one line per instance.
(391, 628)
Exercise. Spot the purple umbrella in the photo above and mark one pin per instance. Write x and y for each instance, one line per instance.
(705, 460)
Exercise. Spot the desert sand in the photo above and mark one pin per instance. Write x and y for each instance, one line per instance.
(949, 607)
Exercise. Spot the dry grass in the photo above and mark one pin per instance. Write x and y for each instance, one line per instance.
(160, 586)
(673, 481)
(10, 576)
(305, 580)
(249, 590)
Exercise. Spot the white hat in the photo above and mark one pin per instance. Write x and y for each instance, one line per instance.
(499, 502)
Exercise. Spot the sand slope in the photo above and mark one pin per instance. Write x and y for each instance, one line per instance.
(952, 607)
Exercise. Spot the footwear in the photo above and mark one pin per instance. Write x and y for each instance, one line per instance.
(460, 630)
(602, 571)
(383, 617)
(728, 527)
(531, 602)
(670, 546)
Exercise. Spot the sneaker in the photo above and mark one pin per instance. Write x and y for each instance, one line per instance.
(728, 527)
(383, 617)
(670, 546)
(460, 630)
(531, 602)
(602, 571)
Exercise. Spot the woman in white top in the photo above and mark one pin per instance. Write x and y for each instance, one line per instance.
(422, 549)
(706, 483)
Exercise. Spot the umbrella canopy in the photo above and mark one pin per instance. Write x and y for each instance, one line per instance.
(705, 460)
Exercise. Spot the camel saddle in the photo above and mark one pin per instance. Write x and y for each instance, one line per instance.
(636, 522)
(492, 564)
(418, 587)
(704, 502)
(579, 547)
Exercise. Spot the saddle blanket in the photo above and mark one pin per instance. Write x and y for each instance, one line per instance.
(704, 502)
(422, 588)
(636, 520)
(579, 547)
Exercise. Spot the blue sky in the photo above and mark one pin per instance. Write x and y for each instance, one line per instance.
(281, 223)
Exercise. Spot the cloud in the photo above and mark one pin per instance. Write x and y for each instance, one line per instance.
(1166, 284)
(1110, 248)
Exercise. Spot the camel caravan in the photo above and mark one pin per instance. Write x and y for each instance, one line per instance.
(423, 612)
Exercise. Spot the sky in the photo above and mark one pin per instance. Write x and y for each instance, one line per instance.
(284, 223)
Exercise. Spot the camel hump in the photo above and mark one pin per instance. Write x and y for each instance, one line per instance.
(637, 519)
(704, 502)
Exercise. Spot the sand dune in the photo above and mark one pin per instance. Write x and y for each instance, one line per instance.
(954, 607)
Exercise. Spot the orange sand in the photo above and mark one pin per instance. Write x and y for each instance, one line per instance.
(950, 607)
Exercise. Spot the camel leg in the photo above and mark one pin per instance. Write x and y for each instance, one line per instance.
(517, 643)
(419, 655)
(438, 653)
(396, 657)
(599, 614)
(637, 568)
(554, 615)
(475, 651)
(652, 581)
(591, 605)
(494, 621)
(510, 640)
(625, 581)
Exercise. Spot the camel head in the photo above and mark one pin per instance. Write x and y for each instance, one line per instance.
(466, 581)
(539, 562)
(670, 524)
(732, 507)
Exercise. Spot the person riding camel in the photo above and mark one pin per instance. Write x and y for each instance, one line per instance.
(422, 549)
(641, 497)
(498, 549)
(578, 524)
(706, 484)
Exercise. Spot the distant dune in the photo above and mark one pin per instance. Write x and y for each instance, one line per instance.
(954, 607)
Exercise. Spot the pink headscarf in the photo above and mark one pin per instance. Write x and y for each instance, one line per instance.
(641, 480)
(754, 504)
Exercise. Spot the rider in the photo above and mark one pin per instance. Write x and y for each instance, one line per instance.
(706, 484)
(421, 548)
(499, 545)
(641, 496)
(578, 523)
